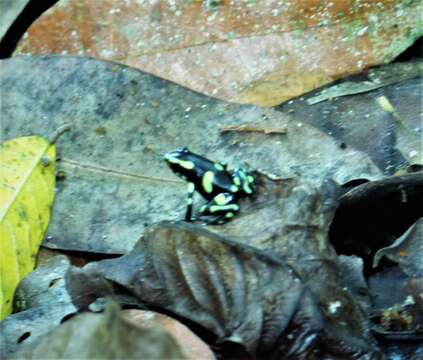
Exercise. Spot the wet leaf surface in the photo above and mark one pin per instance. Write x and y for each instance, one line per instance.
(248, 52)
(107, 335)
(112, 181)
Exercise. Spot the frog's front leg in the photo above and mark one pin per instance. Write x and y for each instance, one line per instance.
(244, 180)
(222, 206)
(191, 190)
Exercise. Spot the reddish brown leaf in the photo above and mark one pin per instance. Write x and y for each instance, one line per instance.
(249, 52)
(191, 345)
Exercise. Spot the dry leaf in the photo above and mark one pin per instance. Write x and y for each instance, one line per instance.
(191, 345)
(249, 52)
(113, 180)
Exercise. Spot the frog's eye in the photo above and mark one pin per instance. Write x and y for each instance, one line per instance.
(183, 149)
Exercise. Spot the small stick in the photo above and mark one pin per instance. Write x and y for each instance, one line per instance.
(59, 131)
(251, 128)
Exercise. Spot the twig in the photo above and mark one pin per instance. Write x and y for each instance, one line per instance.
(251, 128)
(119, 173)
(387, 75)
(59, 131)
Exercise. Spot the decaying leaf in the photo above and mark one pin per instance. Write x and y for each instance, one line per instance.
(297, 217)
(238, 293)
(407, 250)
(113, 181)
(27, 179)
(50, 295)
(397, 312)
(102, 336)
(42, 302)
(249, 52)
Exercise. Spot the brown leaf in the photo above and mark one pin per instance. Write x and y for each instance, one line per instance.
(133, 187)
(249, 52)
(242, 294)
(231, 290)
(191, 345)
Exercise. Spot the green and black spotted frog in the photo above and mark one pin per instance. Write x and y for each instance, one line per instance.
(221, 187)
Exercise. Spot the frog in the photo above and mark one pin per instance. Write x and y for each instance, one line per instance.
(222, 188)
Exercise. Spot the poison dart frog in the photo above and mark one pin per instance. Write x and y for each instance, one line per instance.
(221, 187)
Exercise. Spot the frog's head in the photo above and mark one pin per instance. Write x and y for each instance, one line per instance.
(180, 161)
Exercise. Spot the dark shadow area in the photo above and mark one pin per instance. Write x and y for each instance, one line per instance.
(30, 13)
(352, 184)
(372, 215)
(414, 52)
(79, 258)
(67, 317)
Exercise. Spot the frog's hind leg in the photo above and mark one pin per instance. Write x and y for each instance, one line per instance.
(222, 206)
(190, 198)
(219, 220)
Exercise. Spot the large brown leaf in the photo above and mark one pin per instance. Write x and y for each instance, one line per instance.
(249, 52)
(238, 293)
(113, 181)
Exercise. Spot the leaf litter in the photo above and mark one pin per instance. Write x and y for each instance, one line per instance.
(291, 255)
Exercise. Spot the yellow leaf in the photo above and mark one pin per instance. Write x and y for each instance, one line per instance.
(27, 179)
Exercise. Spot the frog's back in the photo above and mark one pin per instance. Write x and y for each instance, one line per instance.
(208, 177)
(213, 183)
